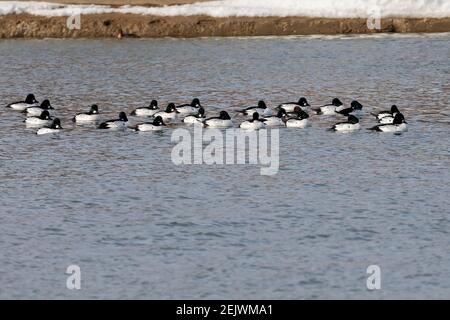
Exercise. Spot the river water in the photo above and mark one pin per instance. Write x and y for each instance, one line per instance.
(138, 226)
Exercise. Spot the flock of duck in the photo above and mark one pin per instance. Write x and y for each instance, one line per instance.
(290, 114)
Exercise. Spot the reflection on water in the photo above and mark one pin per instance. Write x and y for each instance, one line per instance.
(141, 227)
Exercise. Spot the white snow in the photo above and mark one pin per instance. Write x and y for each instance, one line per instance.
(252, 8)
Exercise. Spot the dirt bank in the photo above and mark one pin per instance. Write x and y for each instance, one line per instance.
(107, 25)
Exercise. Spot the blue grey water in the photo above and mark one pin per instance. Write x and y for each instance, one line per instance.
(141, 227)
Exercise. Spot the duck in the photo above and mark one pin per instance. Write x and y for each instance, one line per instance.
(222, 121)
(254, 124)
(355, 106)
(117, 124)
(300, 120)
(261, 108)
(30, 101)
(352, 124)
(382, 114)
(330, 109)
(290, 106)
(399, 124)
(196, 118)
(43, 120)
(190, 109)
(55, 127)
(170, 114)
(277, 120)
(146, 111)
(37, 110)
(90, 116)
(156, 125)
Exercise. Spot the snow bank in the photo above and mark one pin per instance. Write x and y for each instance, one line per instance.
(252, 8)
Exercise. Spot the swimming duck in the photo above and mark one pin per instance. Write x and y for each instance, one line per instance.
(30, 101)
(54, 128)
(156, 125)
(37, 110)
(379, 115)
(254, 124)
(170, 114)
(146, 111)
(261, 108)
(90, 116)
(300, 120)
(352, 124)
(222, 121)
(330, 109)
(355, 106)
(117, 124)
(399, 124)
(196, 118)
(189, 109)
(290, 106)
(277, 120)
(43, 120)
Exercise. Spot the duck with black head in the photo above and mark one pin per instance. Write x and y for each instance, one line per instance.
(261, 108)
(157, 125)
(37, 110)
(30, 101)
(352, 124)
(298, 120)
(55, 127)
(116, 124)
(196, 119)
(383, 114)
(330, 109)
(170, 114)
(355, 107)
(43, 120)
(190, 109)
(91, 116)
(255, 123)
(277, 120)
(222, 121)
(148, 111)
(290, 106)
(399, 124)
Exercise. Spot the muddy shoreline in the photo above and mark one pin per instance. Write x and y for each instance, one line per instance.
(108, 25)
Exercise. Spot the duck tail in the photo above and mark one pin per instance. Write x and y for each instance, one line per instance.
(133, 113)
(376, 128)
(374, 114)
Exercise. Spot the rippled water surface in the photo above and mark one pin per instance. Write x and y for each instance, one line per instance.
(141, 227)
